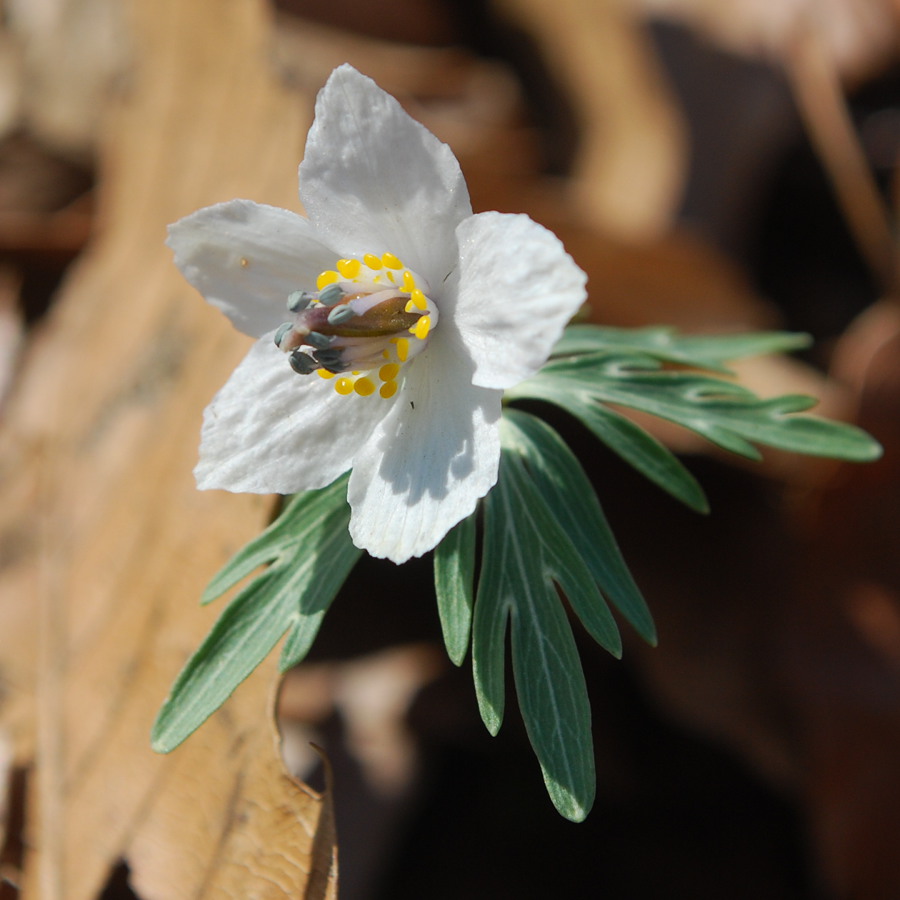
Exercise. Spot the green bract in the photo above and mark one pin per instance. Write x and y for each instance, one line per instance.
(593, 367)
(543, 536)
(309, 555)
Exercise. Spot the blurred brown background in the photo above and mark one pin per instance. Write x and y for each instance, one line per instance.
(715, 166)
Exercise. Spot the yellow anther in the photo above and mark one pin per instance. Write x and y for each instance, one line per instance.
(391, 277)
(402, 348)
(326, 278)
(389, 372)
(324, 373)
(388, 389)
(409, 283)
(364, 387)
(386, 354)
(421, 328)
(349, 268)
(418, 298)
(410, 306)
(344, 386)
(391, 261)
(372, 261)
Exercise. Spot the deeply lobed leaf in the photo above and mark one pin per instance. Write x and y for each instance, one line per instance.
(543, 532)
(525, 551)
(311, 554)
(665, 344)
(569, 496)
(723, 412)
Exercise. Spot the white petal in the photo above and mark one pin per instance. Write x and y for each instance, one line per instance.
(374, 180)
(271, 431)
(428, 462)
(245, 258)
(517, 290)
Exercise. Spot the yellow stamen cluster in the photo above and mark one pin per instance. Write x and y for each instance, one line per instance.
(351, 270)
(375, 269)
(365, 385)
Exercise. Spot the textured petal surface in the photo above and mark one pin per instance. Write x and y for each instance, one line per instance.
(245, 258)
(374, 180)
(270, 430)
(517, 290)
(429, 461)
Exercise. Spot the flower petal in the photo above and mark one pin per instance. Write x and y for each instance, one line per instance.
(245, 258)
(517, 290)
(271, 431)
(373, 180)
(428, 462)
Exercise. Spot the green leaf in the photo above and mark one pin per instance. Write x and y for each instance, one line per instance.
(454, 574)
(644, 452)
(310, 555)
(570, 497)
(725, 413)
(525, 550)
(489, 623)
(275, 543)
(240, 639)
(335, 557)
(662, 343)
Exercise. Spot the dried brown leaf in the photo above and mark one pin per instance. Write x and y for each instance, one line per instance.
(103, 529)
(632, 154)
(61, 58)
(859, 35)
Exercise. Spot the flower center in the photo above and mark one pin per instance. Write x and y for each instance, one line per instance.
(366, 320)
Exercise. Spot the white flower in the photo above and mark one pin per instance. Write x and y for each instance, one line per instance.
(400, 318)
